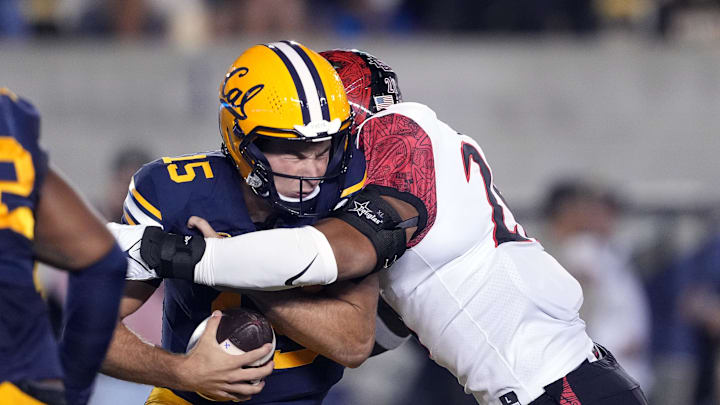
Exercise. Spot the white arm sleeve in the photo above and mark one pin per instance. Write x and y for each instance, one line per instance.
(128, 237)
(275, 259)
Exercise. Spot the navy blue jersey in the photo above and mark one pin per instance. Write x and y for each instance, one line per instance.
(166, 193)
(27, 347)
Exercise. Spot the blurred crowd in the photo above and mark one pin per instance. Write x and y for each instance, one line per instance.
(197, 20)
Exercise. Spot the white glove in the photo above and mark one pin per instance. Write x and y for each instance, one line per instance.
(128, 238)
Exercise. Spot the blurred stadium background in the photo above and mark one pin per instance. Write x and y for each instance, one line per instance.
(601, 119)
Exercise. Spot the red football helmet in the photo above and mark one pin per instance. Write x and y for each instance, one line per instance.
(370, 84)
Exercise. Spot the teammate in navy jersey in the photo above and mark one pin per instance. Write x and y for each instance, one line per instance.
(42, 218)
(287, 160)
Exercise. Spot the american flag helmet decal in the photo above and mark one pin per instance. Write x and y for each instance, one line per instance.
(384, 101)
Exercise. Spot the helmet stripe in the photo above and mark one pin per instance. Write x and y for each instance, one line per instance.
(316, 78)
(296, 80)
(310, 92)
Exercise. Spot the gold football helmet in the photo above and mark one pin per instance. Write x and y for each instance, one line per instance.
(283, 91)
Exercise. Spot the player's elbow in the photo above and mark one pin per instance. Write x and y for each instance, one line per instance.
(357, 352)
(353, 361)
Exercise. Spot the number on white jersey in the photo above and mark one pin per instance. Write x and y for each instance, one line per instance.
(503, 223)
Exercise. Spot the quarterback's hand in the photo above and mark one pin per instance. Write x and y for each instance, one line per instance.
(128, 238)
(210, 371)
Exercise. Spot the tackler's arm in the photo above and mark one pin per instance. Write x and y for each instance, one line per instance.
(368, 234)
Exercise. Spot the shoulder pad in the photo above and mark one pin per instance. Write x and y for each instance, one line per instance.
(420, 113)
(20, 121)
(18, 118)
(161, 189)
(143, 204)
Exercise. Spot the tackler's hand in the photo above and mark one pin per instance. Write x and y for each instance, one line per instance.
(129, 238)
(203, 226)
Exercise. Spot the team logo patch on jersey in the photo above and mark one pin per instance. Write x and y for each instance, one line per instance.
(509, 399)
(362, 210)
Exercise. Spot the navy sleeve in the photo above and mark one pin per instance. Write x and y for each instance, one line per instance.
(91, 311)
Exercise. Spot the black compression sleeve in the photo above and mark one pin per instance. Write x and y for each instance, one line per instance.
(171, 255)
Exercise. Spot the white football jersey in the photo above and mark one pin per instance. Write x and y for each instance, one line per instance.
(487, 301)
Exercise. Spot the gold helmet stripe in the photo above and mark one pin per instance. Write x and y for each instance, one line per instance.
(308, 89)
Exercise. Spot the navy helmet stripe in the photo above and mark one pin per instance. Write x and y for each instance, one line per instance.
(316, 78)
(298, 83)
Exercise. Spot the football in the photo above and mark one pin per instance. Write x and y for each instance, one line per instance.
(240, 330)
